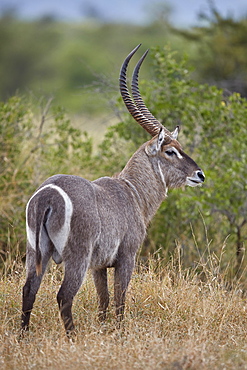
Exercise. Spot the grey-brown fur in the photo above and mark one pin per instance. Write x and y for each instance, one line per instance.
(107, 224)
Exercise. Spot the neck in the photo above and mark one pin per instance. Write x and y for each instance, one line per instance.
(146, 181)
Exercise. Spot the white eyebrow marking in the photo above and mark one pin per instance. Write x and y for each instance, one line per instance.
(177, 152)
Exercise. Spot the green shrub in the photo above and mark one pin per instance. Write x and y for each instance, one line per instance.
(214, 134)
(31, 151)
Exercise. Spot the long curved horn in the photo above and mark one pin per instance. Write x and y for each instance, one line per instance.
(140, 118)
(138, 99)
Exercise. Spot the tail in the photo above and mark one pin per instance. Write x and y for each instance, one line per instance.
(40, 222)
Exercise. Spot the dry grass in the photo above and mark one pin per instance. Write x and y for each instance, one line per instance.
(173, 321)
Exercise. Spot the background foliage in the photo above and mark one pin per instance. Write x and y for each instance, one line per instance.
(214, 134)
(53, 57)
(37, 139)
(30, 152)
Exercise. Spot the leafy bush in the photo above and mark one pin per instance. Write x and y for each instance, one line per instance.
(30, 152)
(214, 134)
(214, 126)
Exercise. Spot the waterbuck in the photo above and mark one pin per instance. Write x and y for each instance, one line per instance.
(101, 224)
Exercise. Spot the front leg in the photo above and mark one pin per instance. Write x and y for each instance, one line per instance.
(100, 281)
(123, 272)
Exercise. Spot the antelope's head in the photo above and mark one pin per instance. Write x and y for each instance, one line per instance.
(175, 167)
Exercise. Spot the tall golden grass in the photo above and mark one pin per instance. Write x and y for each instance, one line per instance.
(174, 320)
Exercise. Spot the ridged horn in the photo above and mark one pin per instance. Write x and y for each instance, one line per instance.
(152, 128)
(138, 99)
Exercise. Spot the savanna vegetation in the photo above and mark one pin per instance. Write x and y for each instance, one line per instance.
(186, 307)
(174, 320)
(35, 146)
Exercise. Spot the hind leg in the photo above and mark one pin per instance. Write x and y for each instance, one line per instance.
(75, 271)
(32, 284)
(100, 281)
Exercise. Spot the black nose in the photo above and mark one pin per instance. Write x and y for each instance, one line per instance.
(201, 175)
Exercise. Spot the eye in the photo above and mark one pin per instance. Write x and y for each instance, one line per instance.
(170, 152)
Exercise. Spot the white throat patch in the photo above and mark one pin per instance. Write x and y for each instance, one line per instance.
(162, 178)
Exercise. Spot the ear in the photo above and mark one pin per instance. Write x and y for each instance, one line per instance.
(160, 139)
(155, 145)
(174, 134)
